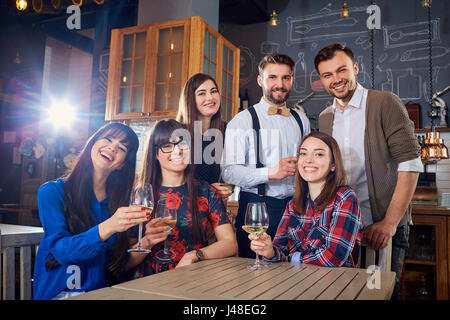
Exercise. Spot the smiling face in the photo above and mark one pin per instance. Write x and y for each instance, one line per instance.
(109, 152)
(276, 82)
(338, 76)
(314, 160)
(176, 160)
(207, 99)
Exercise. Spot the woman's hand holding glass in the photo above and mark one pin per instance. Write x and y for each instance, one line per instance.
(262, 245)
(122, 220)
(155, 234)
(223, 191)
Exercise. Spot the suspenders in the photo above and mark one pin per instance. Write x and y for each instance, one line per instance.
(257, 127)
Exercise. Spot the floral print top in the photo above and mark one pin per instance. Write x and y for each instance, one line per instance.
(211, 210)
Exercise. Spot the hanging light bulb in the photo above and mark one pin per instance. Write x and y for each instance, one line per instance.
(274, 19)
(21, 5)
(426, 3)
(433, 148)
(344, 10)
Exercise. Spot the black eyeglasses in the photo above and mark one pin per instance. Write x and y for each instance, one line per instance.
(168, 147)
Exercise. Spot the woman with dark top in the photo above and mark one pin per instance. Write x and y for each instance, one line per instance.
(200, 110)
(85, 215)
(322, 223)
(166, 167)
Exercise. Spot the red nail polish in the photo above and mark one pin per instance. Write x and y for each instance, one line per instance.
(143, 208)
(148, 217)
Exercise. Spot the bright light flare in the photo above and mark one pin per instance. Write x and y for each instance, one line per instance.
(61, 114)
(21, 5)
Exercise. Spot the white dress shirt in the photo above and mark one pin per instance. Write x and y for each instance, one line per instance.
(280, 138)
(348, 130)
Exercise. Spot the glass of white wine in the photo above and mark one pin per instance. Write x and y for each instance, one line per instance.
(142, 196)
(168, 218)
(256, 222)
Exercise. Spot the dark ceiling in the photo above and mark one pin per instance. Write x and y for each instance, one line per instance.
(234, 11)
(10, 16)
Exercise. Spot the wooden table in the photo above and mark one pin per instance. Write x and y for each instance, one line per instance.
(25, 238)
(229, 279)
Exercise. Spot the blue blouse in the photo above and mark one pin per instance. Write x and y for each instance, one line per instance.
(82, 257)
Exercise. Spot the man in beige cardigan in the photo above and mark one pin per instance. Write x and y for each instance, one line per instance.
(380, 151)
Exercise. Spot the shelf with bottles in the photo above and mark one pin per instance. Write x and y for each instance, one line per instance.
(428, 253)
(422, 249)
(419, 283)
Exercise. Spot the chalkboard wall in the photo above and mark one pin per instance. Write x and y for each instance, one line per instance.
(400, 47)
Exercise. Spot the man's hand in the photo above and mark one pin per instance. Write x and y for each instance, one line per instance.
(285, 168)
(378, 234)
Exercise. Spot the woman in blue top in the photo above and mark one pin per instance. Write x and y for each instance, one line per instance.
(85, 215)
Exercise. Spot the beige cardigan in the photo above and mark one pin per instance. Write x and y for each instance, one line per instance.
(388, 140)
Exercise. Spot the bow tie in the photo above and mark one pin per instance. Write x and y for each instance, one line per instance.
(283, 111)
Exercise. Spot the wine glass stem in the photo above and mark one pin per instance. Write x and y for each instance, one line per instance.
(257, 259)
(166, 251)
(140, 236)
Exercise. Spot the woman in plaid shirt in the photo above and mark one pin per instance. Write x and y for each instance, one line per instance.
(322, 223)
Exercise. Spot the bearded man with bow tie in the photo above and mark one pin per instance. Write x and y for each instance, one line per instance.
(272, 131)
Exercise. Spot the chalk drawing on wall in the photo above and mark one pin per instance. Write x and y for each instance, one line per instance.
(363, 77)
(409, 85)
(423, 53)
(389, 84)
(323, 25)
(394, 57)
(439, 75)
(363, 41)
(382, 57)
(300, 73)
(268, 47)
(247, 65)
(410, 34)
(306, 28)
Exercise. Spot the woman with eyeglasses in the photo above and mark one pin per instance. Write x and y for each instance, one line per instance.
(166, 167)
(200, 110)
(85, 215)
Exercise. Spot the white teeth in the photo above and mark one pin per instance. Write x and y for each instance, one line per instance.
(105, 156)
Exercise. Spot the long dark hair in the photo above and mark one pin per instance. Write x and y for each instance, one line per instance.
(151, 170)
(188, 112)
(79, 192)
(334, 180)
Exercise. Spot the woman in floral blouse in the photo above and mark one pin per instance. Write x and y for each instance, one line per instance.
(166, 167)
(322, 223)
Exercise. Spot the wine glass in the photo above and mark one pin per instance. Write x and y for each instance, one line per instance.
(168, 217)
(256, 222)
(142, 196)
(222, 183)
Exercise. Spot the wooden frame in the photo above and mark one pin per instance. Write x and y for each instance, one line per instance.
(159, 114)
(192, 63)
(115, 72)
(440, 223)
